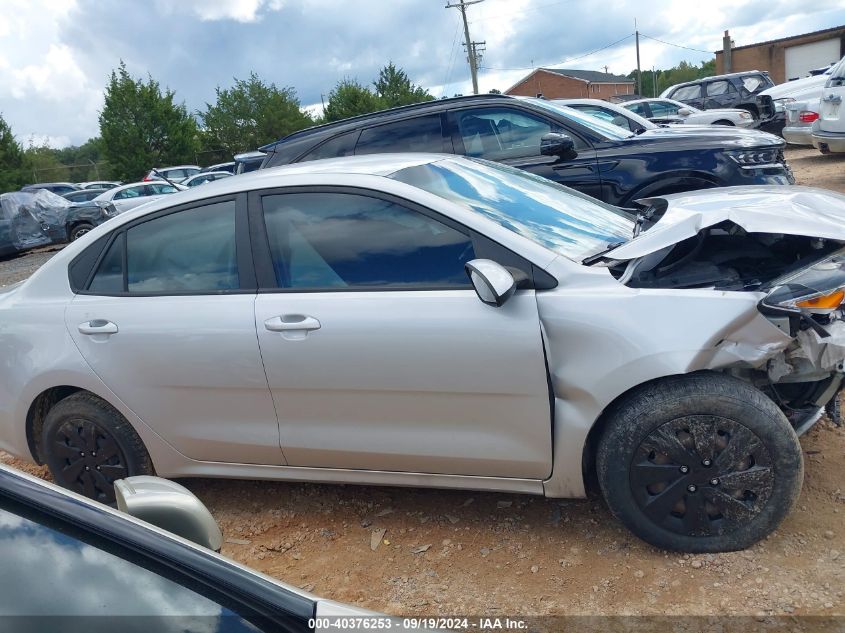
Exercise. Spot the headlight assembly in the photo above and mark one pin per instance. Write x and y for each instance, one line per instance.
(755, 157)
(817, 289)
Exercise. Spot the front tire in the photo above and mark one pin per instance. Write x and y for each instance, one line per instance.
(88, 445)
(699, 463)
(79, 230)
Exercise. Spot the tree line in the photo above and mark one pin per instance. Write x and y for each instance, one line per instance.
(656, 81)
(143, 125)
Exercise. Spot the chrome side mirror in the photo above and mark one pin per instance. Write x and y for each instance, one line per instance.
(169, 506)
(492, 282)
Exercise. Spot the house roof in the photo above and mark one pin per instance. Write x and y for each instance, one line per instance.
(591, 76)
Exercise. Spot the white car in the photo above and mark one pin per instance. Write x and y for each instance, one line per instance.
(800, 116)
(671, 111)
(432, 320)
(829, 129)
(134, 194)
(204, 177)
(98, 184)
(806, 89)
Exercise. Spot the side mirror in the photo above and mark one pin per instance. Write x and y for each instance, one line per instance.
(169, 506)
(621, 121)
(554, 144)
(492, 282)
(684, 112)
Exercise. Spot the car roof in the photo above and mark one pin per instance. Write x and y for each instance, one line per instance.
(718, 77)
(204, 174)
(384, 116)
(51, 184)
(176, 167)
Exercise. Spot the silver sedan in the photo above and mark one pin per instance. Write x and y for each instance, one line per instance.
(429, 320)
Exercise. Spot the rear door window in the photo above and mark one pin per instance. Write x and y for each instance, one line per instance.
(420, 134)
(687, 93)
(187, 252)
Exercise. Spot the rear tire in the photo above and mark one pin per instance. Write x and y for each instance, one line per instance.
(699, 463)
(88, 445)
(723, 122)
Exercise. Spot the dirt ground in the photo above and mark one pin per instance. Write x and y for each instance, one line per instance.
(414, 552)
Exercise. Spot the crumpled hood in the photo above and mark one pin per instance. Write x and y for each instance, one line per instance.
(776, 209)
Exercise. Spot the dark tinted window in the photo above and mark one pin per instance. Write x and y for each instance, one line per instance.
(343, 145)
(187, 251)
(421, 134)
(57, 573)
(638, 108)
(500, 134)
(132, 192)
(663, 108)
(108, 279)
(337, 241)
(161, 187)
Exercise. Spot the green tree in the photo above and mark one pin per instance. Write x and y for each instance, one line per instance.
(349, 98)
(11, 159)
(142, 127)
(662, 79)
(394, 88)
(250, 114)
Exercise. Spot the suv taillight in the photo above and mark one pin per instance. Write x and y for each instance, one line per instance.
(808, 117)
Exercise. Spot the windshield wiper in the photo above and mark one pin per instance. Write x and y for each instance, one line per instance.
(592, 259)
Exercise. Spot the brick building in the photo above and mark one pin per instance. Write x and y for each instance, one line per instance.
(786, 58)
(561, 83)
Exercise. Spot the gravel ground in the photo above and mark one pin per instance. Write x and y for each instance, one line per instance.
(407, 551)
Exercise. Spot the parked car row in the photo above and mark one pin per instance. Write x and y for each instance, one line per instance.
(62, 188)
(611, 163)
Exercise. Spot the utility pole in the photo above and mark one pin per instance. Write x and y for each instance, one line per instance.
(639, 72)
(473, 53)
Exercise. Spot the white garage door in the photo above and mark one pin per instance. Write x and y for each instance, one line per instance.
(800, 60)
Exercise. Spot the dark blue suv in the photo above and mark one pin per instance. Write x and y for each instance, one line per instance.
(550, 140)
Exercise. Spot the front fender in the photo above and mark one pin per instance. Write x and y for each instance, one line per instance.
(604, 341)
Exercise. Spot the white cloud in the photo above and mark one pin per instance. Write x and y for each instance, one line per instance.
(210, 10)
(45, 95)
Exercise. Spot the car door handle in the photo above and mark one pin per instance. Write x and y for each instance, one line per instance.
(292, 323)
(97, 326)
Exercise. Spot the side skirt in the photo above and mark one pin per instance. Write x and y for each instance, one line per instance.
(193, 468)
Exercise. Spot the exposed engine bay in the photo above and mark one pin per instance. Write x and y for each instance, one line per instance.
(723, 257)
(802, 277)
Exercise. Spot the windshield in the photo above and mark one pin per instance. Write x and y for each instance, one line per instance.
(605, 130)
(556, 217)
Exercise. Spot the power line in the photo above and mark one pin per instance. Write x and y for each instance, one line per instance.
(472, 51)
(566, 61)
(697, 50)
(451, 59)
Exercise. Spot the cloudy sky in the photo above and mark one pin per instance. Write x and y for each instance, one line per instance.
(56, 55)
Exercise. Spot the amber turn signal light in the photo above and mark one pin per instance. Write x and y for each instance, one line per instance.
(825, 302)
